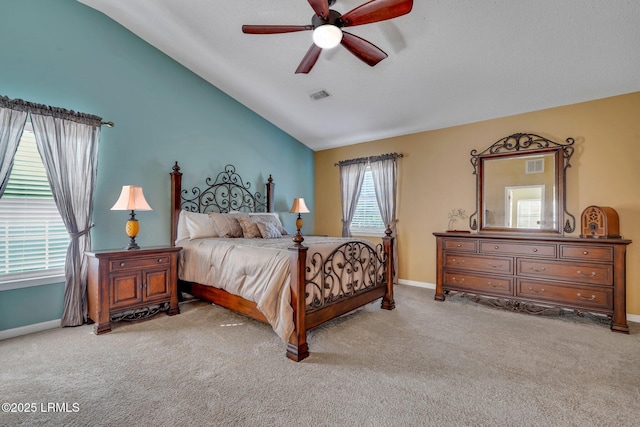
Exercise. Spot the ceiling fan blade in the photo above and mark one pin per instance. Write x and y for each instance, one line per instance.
(274, 29)
(320, 7)
(364, 50)
(309, 59)
(376, 10)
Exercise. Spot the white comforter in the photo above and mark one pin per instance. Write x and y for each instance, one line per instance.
(255, 269)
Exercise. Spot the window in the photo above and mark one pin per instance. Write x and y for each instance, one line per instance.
(367, 220)
(529, 213)
(33, 238)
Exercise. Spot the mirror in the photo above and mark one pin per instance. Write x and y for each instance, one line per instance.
(520, 184)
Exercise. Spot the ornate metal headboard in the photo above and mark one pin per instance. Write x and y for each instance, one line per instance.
(227, 192)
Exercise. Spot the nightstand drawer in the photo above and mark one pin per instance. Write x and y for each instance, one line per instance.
(138, 263)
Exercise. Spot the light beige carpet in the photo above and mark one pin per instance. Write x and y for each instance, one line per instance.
(424, 364)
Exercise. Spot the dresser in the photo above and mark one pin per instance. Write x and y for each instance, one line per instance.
(131, 284)
(584, 274)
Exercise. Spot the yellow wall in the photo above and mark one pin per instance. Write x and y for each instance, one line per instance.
(435, 176)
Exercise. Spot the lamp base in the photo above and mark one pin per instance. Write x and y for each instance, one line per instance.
(132, 245)
(132, 228)
(298, 239)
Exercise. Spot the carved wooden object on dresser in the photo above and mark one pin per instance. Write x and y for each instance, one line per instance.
(587, 275)
(128, 285)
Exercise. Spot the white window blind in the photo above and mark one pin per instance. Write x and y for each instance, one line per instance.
(529, 213)
(367, 220)
(33, 238)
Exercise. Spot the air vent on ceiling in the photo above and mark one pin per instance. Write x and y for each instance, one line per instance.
(319, 95)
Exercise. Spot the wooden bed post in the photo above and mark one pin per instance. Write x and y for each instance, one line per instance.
(270, 190)
(388, 303)
(297, 348)
(176, 188)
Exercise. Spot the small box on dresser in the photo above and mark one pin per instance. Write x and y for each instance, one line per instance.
(126, 283)
(575, 273)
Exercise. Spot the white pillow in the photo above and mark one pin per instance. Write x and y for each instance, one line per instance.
(200, 226)
(183, 231)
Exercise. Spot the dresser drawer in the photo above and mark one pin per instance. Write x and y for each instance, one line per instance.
(479, 263)
(460, 245)
(137, 263)
(477, 283)
(528, 249)
(591, 297)
(589, 273)
(591, 252)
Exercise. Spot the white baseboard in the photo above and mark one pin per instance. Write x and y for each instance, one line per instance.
(633, 318)
(416, 284)
(29, 329)
(630, 317)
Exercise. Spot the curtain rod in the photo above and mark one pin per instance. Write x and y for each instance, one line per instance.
(22, 105)
(369, 159)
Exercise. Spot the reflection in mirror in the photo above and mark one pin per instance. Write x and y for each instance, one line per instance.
(519, 192)
(520, 186)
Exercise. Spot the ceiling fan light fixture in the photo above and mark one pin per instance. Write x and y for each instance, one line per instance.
(327, 36)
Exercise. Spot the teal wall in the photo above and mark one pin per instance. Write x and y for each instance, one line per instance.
(65, 54)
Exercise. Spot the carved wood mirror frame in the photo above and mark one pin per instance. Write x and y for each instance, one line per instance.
(521, 147)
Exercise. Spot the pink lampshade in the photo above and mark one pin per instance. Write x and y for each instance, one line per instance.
(299, 206)
(131, 198)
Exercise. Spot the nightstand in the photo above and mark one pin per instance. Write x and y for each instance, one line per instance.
(130, 285)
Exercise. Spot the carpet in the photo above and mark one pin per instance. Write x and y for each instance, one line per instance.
(426, 363)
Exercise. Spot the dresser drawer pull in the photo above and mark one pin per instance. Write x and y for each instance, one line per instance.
(455, 261)
(535, 249)
(160, 260)
(453, 279)
(122, 264)
(496, 247)
(495, 265)
(593, 274)
(538, 291)
(459, 245)
(585, 298)
(538, 270)
(499, 285)
(585, 253)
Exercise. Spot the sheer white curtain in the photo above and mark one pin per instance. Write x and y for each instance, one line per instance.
(12, 123)
(384, 171)
(68, 145)
(351, 177)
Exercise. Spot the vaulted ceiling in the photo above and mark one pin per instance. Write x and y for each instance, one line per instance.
(449, 62)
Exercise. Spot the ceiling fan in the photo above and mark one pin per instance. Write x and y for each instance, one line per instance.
(327, 27)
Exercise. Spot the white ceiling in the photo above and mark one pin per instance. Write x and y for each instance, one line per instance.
(450, 62)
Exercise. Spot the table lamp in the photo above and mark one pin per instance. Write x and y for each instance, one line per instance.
(298, 207)
(131, 199)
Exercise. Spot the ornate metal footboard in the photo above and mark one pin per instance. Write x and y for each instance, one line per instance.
(351, 276)
(352, 268)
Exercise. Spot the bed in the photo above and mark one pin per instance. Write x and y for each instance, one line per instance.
(306, 283)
